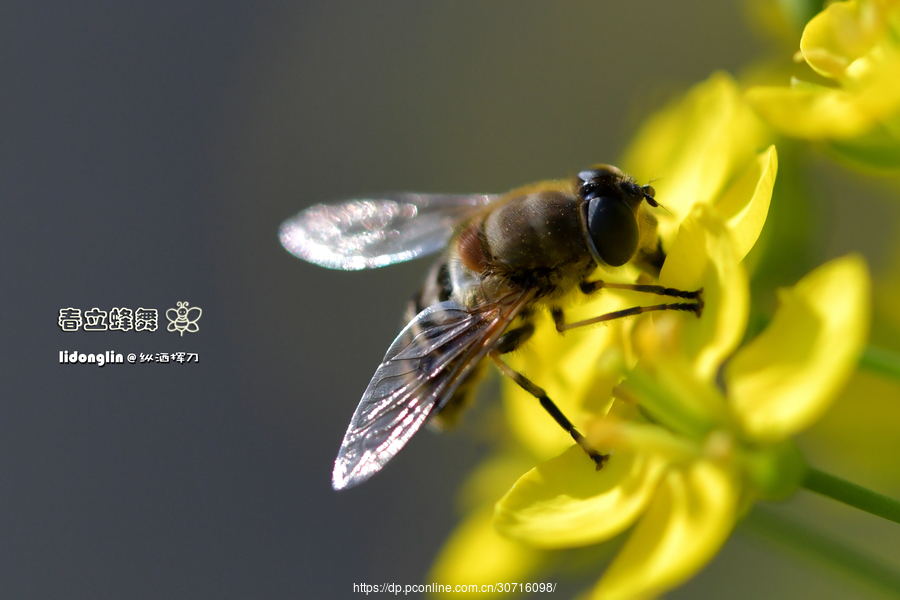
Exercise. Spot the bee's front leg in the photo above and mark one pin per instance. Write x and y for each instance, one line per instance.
(561, 325)
(591, 287)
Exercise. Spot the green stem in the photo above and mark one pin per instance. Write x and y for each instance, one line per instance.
(852, 494)
(837, 555)
(879, 360)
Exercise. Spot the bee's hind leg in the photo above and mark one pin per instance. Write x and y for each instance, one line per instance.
(538, 392)
(512, 339)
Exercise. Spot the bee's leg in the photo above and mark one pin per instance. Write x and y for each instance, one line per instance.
(513, 338)
(561, 325)
(590, 287)
(550, 407)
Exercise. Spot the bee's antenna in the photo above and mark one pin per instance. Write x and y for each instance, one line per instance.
(657, 204)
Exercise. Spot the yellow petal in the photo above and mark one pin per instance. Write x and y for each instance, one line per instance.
(786, 378)
(694, 147)
(477, 554)
(839, 35)
(703, 256)
(564, 502)
(493, 477)
(745, 204)
(879, 94)
(811, 112)
(689, 519)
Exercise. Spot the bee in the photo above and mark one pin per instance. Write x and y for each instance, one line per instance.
(506, 258)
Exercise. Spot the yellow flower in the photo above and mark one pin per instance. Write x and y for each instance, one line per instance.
(855, 47)
(702, 429)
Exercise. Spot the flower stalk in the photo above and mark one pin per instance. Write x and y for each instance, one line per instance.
(852, 494)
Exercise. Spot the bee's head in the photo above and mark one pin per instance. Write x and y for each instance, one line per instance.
(609, 213)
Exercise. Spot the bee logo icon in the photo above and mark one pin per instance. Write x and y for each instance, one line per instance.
(183, 319)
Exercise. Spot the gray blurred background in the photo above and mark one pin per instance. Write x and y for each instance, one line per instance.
(149, 153)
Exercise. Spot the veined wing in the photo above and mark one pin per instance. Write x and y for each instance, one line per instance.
(418, 375)
(361, 234)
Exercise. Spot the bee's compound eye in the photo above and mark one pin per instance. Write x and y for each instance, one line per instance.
(648, 190)
(613, 230)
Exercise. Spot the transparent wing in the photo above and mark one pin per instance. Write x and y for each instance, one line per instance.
(361, 234)
(418, 375)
